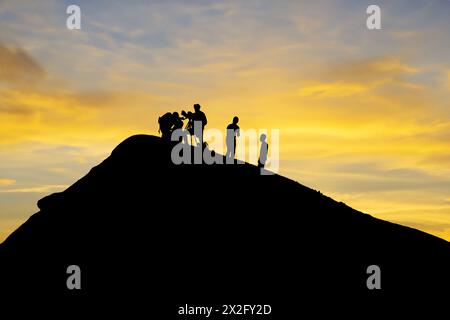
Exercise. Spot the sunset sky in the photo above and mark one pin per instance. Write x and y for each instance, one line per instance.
(364, 116)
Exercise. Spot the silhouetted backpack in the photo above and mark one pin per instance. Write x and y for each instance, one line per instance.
(165, 122)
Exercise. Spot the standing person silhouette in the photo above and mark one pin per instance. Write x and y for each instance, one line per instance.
(199, 116)
(263, 151)
(233, 131)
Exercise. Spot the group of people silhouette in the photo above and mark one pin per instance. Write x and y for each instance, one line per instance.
(169, 122)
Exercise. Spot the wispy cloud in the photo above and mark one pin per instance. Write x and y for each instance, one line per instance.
(330, 90)
(38, 189)
(448, 79)
(7, 182)
(18, 66)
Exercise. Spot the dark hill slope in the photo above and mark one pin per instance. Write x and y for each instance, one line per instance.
(147, 231)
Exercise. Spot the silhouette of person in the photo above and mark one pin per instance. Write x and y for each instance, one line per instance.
(177, 123)
(165, 125)
(263, 151)
(190, 124)
(199, 116)
(233, 131)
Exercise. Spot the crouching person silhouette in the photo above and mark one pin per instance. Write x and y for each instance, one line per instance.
(263, 151)
(165, 125)
(178, 125)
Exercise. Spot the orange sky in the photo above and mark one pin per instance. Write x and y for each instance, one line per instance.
(364, 116)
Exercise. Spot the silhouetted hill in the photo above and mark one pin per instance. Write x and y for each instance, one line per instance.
(150, 234)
